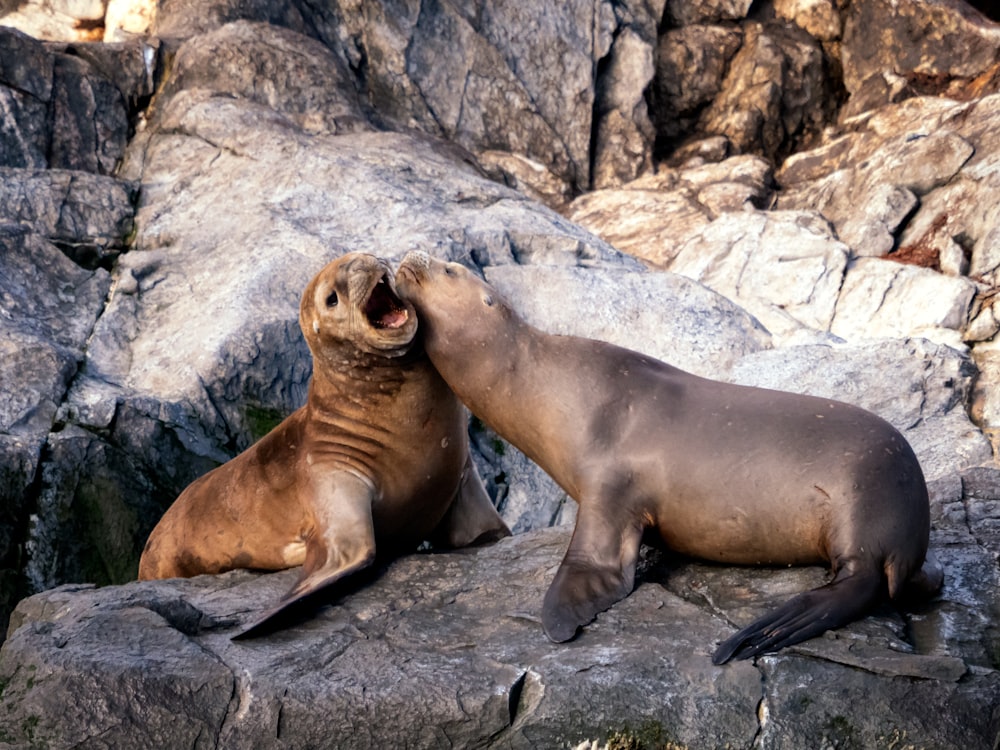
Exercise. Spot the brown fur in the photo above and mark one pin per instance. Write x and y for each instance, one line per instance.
(379, 452)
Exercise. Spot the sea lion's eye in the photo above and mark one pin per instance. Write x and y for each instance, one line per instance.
(332, 300)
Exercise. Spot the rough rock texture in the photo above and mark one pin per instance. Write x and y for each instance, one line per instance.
(446, 650)
(780, 200)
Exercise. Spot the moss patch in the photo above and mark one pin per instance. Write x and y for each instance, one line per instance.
(261, 420)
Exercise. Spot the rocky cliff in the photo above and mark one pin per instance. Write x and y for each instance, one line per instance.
(790, 194)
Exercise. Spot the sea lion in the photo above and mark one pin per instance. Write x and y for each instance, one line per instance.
(378, 453)
(717, 471)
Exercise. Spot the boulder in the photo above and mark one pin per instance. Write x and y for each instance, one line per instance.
(446, 649)
(49, 307)
(898, 48)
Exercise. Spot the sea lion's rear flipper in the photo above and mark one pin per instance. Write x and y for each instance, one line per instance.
(597, 571)
(471, 518)
(805, 616)
(342, 542)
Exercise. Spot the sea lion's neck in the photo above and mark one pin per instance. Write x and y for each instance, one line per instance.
(505, 380)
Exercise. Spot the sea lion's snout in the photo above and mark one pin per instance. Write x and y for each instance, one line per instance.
(414, 267)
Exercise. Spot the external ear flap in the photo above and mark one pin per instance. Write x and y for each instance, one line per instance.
(315, 325)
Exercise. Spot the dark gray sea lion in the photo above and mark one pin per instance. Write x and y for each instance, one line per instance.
(379, 454)
(720, 472)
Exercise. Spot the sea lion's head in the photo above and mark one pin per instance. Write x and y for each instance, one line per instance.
(452, 301)
(352, 303)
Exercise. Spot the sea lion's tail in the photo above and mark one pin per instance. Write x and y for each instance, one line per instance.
(841, 601)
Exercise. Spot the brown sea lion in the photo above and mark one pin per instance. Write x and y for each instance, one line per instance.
(718, 471)
(379, 453)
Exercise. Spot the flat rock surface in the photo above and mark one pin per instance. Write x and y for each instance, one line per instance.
(446, 650)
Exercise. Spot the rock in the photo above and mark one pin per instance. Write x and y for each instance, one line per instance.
(58, 20)
(876, 302)
(274, 67)
(820, 18)
(447, 648)
(928, 48)
(25, 90)
(482, 80)
(69, 107)
(623, 148)
(88, 216)
(687, 14)
(785, 268)
(774, 96)
(691, 62)
(652, 217)
(49, 308)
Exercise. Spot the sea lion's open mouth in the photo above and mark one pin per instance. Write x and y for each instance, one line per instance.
(383, 308)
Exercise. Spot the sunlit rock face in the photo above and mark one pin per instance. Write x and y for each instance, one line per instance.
(755, 192)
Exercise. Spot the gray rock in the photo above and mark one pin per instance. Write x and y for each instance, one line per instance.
(784, 267)
(446, 649)
(49, 307)
(89, 216)
(25, 90)
(876, 302)
(481, 79)
(274, 67)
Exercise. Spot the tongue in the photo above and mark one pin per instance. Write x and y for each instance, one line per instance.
(383, 309)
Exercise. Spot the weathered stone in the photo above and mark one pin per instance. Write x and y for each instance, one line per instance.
(928, 45)
(89, 119)
(691, 63)
(25, 90)
(785, 268)
(447, 648)
(774, 96)
(130, 66)
(920, 387)
(479, 78)
(876, 302)
(274, 67)
(58, 20)
(686, 14)
(623, 148)
(821, 18)
(49, 306)
(870, 184)
(89, 216)
(652, 217)
(181, 19)
(126, 19)
(25, 64)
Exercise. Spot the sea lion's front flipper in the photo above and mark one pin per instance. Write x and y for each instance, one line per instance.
(805, 616)
(597, 571)
(342, 541)
(471, 517)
